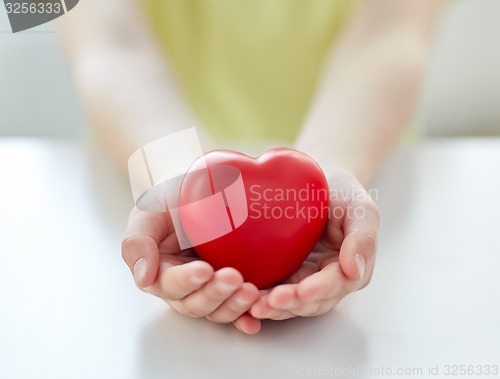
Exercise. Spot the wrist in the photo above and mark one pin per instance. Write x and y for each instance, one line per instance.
(333, 166)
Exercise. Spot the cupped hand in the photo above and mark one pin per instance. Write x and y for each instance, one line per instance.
(189, 285)
(342, 261)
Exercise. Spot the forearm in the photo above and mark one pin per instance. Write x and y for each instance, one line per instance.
(366, 98)
(127, 87)
(362, 109)
(129, 104)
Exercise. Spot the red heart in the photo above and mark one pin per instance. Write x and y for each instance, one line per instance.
(266, 230)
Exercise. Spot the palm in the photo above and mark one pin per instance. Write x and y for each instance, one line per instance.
(191, 287)
(169, 247)
(327, 249)
(331, 270)
(326, 276)
(323, 254)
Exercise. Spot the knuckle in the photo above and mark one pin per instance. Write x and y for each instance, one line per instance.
(323, 307)
(212, 318)
(193, 312)
(169, 293)
(173, 288)
(196, 314)
(218, 319)
(213, 294)
(308, 309)
(371, 209)
(234, 307)
(371, 237)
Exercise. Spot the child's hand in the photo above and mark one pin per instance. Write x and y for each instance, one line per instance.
(341, 263)
(151, 250)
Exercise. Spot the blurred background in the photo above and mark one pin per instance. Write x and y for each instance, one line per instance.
(461, 95)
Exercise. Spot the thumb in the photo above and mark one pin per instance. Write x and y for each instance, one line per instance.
(357, 254)
(140, 250)
(140, 253)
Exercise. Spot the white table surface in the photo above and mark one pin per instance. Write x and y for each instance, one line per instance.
(69, 307)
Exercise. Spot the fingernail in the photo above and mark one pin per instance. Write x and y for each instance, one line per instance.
(224, 287)
(360, 264)
(140, 269)
(242, 302)
(198, 280)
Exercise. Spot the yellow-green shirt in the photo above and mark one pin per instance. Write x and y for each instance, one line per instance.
(248, 67)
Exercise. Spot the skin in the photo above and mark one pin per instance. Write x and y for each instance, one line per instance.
(365, 99)
(326, 276)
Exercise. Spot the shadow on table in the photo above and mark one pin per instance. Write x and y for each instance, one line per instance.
(176, 346)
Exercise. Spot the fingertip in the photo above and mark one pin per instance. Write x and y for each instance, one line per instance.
(176, 281)
(282, 296)
(250, 291)
(356, 251)
(251, 287)
(230, 276)
(247, 324)
(308, 289)
(261, 308)
(350, 267)
(140, 253)
(145, 272)
(199, 269)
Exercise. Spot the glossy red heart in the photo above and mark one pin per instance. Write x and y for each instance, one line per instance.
(262, 216)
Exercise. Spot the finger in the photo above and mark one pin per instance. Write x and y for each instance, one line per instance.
(247, 324)
(140, 244)
(236, 305)
(358, 249)
(314, 308)
(357, 255)
(208, 298)
(177, 282)
(139, 248)
(306, 269)
(283, 296)
(325, 284)
(262, 310)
